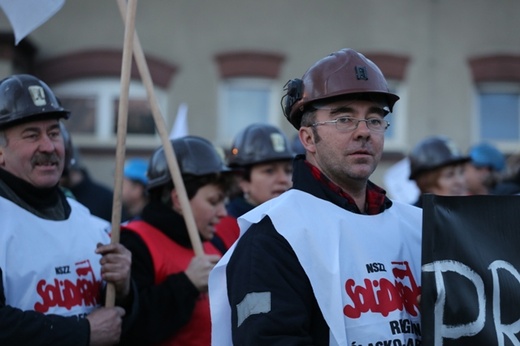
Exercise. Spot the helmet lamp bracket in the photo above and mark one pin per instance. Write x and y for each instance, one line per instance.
(294, 93)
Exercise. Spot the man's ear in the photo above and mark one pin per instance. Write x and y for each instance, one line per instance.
(306, 135)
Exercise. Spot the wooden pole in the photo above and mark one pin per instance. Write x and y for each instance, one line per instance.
(173, 165)
(122, 121)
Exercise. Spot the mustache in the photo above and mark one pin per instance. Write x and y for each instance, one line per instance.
(45, 159)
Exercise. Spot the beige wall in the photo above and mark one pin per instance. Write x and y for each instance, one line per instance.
(437, 35)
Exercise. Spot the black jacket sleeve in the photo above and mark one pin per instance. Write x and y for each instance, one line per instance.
(163, 308)
(131, 307)
(19, 327)
(263, 261)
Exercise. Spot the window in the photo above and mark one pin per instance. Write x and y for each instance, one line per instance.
(498, 117)
(497, 105)
(249, 92)
(244, 101)
(94, 106)
(87, 82)
(394, 69)
(395, 135)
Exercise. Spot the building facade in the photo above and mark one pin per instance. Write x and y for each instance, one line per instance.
(455, 64)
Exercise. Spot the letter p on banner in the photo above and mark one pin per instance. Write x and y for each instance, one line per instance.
(470, 278)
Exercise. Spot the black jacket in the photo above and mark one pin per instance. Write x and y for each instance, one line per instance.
(238, 206)
(95, 196)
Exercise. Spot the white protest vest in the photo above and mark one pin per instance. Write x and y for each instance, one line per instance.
(364, 269)
(50, 266)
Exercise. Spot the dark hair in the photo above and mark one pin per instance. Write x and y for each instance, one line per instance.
(308, 118)
(192, 183)
(428, 180)
(245, 172)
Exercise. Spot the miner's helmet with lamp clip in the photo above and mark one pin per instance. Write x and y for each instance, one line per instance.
(345, 73)
(259, 143)
(432, 153)
(24, 97)
(196, 156)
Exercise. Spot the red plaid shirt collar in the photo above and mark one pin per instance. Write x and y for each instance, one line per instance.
(376, 196)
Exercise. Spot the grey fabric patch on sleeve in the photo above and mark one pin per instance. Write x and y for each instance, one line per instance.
(254, 303)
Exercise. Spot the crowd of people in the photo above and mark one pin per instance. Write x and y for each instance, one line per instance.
(439, 167)
(292, 231)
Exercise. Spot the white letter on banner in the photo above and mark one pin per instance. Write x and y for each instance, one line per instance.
(455, 331)
(503, 329)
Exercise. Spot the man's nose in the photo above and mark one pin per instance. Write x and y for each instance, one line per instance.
(46, 144)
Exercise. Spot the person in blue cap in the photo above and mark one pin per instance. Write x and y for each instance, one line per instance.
(482, 172)
(134, 195)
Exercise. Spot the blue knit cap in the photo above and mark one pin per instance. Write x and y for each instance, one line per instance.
(135, 169)
(486, 155)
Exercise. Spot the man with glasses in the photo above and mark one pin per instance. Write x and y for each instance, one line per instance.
(332, 261)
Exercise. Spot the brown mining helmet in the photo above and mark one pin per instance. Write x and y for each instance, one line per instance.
(345, 72)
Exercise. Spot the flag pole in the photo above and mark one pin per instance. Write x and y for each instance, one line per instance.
(171, 160)
(122, 121)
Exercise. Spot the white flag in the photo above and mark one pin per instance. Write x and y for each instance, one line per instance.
(398, 185)
(27, 15)
(180, 127)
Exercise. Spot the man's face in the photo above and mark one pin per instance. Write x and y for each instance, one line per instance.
(348, 158)
(34, 152)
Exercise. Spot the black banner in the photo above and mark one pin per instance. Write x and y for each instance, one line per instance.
(470, 270)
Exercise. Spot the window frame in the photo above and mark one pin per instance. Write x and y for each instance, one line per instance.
(496, 87)
(225, 129)
(105, 91)
(399, 122)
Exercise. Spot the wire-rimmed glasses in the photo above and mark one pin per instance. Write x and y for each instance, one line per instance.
(347, 124)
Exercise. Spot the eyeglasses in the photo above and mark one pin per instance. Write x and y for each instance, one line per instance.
(347, 124)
